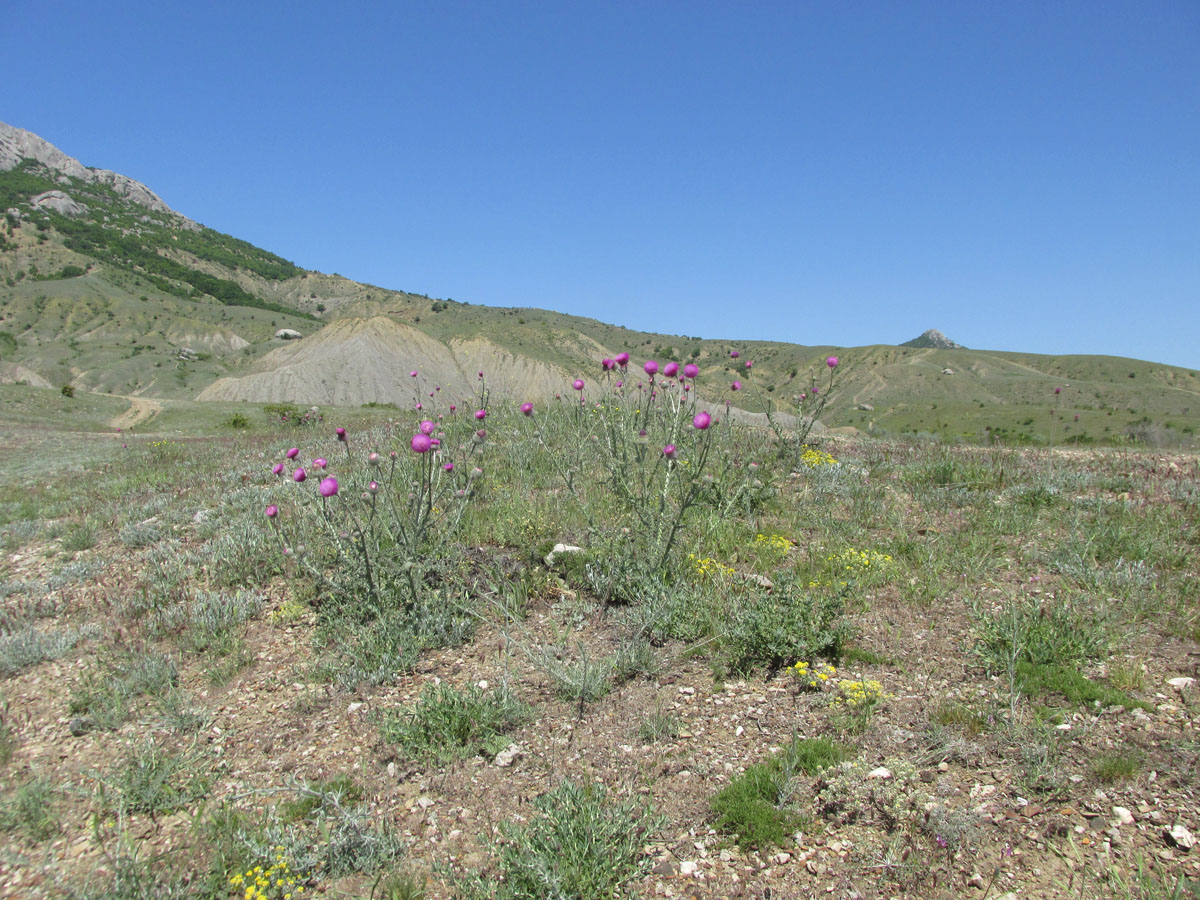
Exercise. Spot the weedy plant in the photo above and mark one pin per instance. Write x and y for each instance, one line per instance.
(809, 404)
(29, 809)
(578, 845)
(447, 723)
(652, 443)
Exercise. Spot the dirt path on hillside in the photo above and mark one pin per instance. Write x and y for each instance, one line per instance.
(141, 411)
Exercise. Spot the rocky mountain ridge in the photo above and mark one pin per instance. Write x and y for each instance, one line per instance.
(19, 146)
(933, 339)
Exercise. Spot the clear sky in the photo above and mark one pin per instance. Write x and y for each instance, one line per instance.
(1020, 175)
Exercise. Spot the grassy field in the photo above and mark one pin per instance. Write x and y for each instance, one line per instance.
(859, 666)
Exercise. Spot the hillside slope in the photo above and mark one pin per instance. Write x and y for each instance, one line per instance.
(103, 287)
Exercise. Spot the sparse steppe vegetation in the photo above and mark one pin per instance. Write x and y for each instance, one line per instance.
(198, 699)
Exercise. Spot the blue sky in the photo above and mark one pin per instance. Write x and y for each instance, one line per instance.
(1020, 175)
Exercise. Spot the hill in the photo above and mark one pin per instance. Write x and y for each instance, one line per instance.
(933, 339)
(104, 288)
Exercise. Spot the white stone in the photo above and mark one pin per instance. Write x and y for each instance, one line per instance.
(561, 548)
(1182, 683)
(1180, 837)
(507, 756)
(1122, 816)
(881, 772)
(687, 867)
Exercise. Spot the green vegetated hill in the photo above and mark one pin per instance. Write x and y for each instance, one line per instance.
(104, 288)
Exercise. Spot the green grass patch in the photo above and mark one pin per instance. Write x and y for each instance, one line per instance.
(448, 724)
(758, 808)
(1063, 681)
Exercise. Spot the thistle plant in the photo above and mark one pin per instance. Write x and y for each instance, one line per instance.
(651, 443)
(381, 508)
(809, 404)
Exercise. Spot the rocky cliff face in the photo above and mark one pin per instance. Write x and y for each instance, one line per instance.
(17, 144)
(933, 339)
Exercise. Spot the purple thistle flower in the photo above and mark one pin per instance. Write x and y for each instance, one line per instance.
(527, 409)
(374, 459)
(670, 369)
(435, 443)
(816, 390)
(320, 462)
(293, 453)
(669, 451)
(413, 373)
(749, 364)
(736, 386)
(427, 427)
(419, 407)
(620, 384)
(691, 370)
(373, 486)
(481, 374)
(341, 433)
(421, 443)
(577, 384)
(701, 420)
(277, 469)
(734, 354)
(622, 359)
(299, 475)
(328, 486)
(449, 467)
(651, 367)
(1058, 390)
(832, 362)
(272, 511)
(481, 414)
(453, 407)
(481, 433)
(607, 365)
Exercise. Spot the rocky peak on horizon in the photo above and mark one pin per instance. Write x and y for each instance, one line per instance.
(17, 144)
(933, 339)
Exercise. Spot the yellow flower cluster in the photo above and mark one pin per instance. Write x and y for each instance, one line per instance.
(776, 542)
(814, 458)
(289, 611)
(276, 882)
(709, 567)
(860, 560)
(813, 676)
(859, 694)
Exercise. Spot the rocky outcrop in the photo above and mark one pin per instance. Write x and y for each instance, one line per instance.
(17, 144)
(59, 202)
(933, 339)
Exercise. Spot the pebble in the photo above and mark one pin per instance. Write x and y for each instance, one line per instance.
(1122, 816)
(1180, 837)
(506, 756)
(687, 867)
